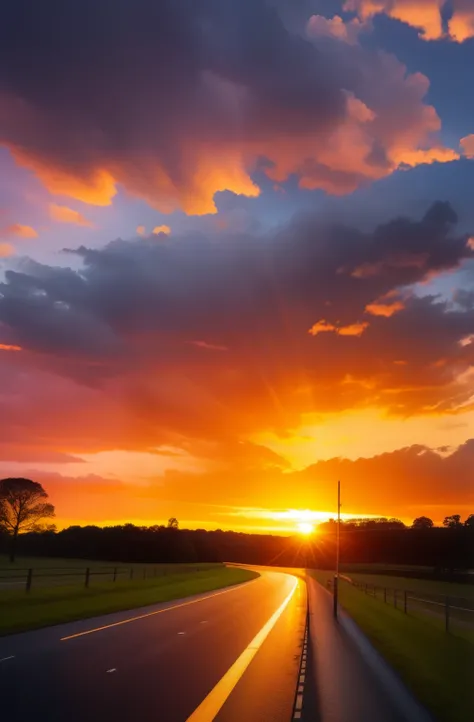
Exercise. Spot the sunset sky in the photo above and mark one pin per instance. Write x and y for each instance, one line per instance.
(237, 258)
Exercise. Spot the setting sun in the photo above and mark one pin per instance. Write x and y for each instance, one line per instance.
(305, 527)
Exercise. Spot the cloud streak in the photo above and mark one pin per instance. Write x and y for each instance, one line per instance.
(63, 214)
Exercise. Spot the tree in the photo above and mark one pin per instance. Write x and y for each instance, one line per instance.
(453, 521)
(173, 523)
(469, 523)
(22, 507)
(422, 522)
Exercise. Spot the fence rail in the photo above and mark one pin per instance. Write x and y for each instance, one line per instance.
(453, 610)
(34, 577)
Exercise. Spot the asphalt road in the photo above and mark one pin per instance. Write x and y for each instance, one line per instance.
(230, 656)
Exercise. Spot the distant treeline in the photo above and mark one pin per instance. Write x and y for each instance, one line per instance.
(447, 551)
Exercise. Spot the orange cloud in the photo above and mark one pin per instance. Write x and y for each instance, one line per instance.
(381, 308)
(94, 186)
(321, 327)
(6, 249)
(140, 230)
(334, 156)
(9, 347)
(63, 214)
(422, 14)
(353, 329)
(425, 15)
(19, 230)
(161, 229)
(461, 25)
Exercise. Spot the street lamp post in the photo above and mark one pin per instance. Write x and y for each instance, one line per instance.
(338, 545)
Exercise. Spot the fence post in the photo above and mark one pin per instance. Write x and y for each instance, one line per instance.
(405, 602)
(131, 573)
(395, 598)
(447, 614)
(115, 574)
(86, 581)
(29, 580)
(385, 594)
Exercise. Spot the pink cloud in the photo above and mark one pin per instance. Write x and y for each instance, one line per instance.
(18, 230)
(467, 145)
(63, 214)
(319, 26)
(6, 250)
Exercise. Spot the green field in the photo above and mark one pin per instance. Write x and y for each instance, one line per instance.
(44, 563)
(47, 572)
(428, 586)
(436, 666)
(54, 604)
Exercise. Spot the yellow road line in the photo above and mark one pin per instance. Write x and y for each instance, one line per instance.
(158, 611)
(210, 706)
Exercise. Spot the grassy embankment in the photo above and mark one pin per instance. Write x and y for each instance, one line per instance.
(436, 666)
(55, 604)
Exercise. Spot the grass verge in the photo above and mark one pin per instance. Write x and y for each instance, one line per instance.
(436, 666)
(53, 605)
(428, 586)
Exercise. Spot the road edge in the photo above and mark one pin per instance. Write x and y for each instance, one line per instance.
(402, 697)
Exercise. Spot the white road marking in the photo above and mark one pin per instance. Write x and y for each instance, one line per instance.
(299, 701)
(114, 669)
(297, 715)
(6, 658)
(181, 633)
(158, 611)
(210, 706)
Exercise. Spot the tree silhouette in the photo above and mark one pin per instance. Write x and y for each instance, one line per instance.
(469, 521)
(453, 521)
(22, 507)
(173, 523)
(423, 522)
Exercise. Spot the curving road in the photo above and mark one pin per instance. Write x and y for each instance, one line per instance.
(231, 655)
(234, 655)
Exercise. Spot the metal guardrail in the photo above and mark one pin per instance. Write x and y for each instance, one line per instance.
(60, 576)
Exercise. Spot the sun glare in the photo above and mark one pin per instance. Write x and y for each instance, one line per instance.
(304, 527)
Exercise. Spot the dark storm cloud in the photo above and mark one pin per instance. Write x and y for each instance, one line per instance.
(201, 286)
(233, 315)
(90, 83)
(177, 100)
